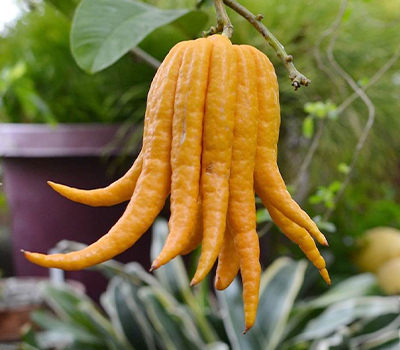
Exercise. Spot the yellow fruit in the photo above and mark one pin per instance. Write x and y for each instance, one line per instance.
(389, 276)
(377, 246)
(210, 140)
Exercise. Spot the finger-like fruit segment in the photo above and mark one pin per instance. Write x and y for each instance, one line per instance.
(186, 150)
(217, 150)
(269, 184)
(152, 188)
(302, 238)
(228, 262)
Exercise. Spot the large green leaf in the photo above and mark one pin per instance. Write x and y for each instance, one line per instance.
(353, 287)
(75, 308)
(394, 346)
(127, 318)
(138, 276)
(380, 337)
(231, 305)
(172, 322)
(344, 313)
(104, 30)
(104, 327)
(64, 301)
(50, 323)
(280, 284)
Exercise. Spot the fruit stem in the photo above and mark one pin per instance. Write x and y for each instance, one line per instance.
(295, 76)
(224, 24)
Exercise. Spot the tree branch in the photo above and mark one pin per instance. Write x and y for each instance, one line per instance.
(377, 76)
(224, 25)
(361, 142)
(318, 55)
(295, 76)
(332, 30)
(310, 155)
(340, 109)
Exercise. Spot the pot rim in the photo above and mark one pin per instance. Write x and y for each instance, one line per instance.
(64, 140)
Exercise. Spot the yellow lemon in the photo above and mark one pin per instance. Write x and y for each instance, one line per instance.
(377, 246)
(389, 276)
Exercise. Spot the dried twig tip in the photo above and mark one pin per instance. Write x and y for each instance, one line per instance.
(298, 80)
(255, 20)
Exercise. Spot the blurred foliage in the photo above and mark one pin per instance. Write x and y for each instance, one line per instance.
(160, 312)
(41, 83)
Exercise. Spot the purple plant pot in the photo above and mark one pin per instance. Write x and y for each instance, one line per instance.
(67, 154)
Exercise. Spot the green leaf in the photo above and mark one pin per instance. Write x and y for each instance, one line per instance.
(347, 14)
(316, 198)
(104, 327)
(173, 324)
(324, 225)
(363, 81)
(66, 7)
(378, 338)
(29, 338)
(308, 127)
(280, 284)
(353, 287)
(331, 109)
(65, 301)
(326, 194)
(231, 304)
(335, 186)
(104, 30)
(174, 278)
(394, 346)
(76, 308)
(342, 314)
(127, 317)
(343, 168)
(50, 323)
(138, 276)
(16, 72)
(321, 109)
